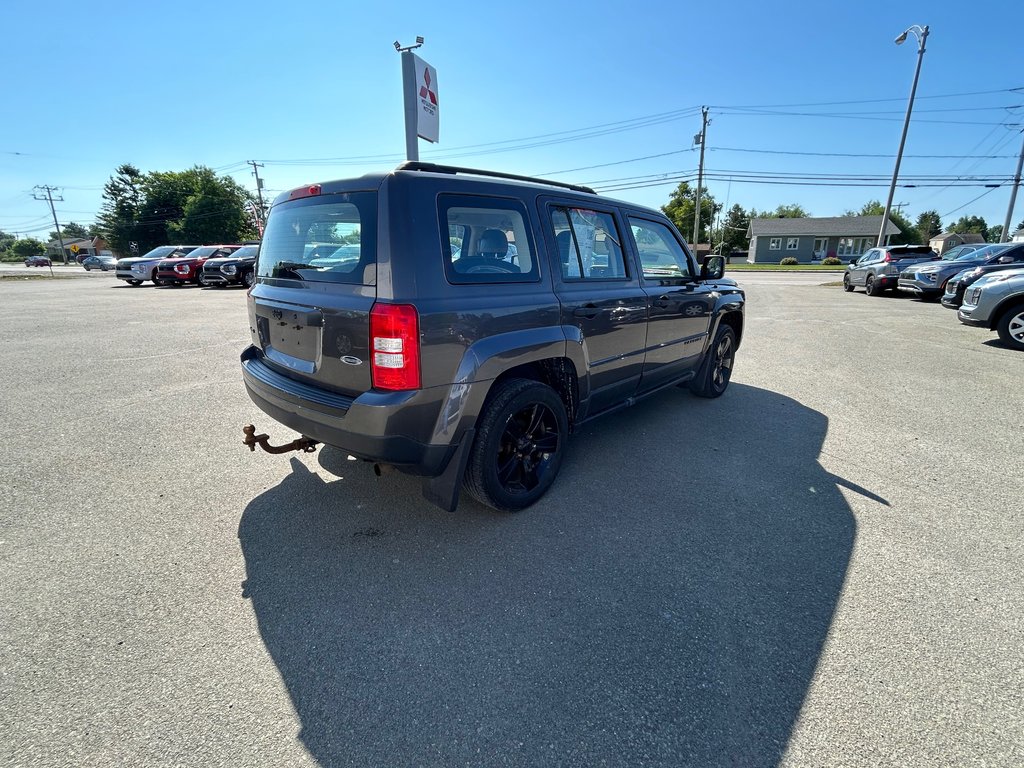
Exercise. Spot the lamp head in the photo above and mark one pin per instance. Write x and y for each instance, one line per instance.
(899, 40)
(419, 40)
(398, 45)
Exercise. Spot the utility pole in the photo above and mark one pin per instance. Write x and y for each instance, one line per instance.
(259, 187)
(1013, 196)
(700, 174)
(60, 199)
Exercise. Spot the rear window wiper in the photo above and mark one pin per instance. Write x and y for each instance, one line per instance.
(291, 267)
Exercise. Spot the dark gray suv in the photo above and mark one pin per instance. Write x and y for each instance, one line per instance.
(458, 324)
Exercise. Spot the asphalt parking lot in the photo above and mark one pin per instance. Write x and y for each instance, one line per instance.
(823, 567)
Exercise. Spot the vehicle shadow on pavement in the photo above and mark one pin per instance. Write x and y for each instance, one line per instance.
(665, 604)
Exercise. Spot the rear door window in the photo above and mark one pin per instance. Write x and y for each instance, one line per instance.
(486, 240)
(327, 238)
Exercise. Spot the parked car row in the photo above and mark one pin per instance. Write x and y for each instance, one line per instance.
(213, 265)
(983, 283)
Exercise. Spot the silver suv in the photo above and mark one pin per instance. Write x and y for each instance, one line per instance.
(996, 302)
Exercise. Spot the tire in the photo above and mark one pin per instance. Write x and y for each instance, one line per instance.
(519, 446)
(1011, 327)
(157, 281)
(716, 371)
(847, 285)
(200, 280)
(87, 269)
(248, 279)
(869, 286)
(134, 283)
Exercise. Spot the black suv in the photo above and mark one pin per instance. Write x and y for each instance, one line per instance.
(458, 324)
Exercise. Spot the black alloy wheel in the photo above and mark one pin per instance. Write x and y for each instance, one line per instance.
(716, 372)
(519, 445)
(847, 285)
(869, 286)
(248, 279)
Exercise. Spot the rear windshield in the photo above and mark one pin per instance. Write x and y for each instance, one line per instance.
(328, 239)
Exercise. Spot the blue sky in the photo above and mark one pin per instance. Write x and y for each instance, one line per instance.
(576, 91)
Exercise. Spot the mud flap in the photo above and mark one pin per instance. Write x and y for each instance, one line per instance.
(443, 490)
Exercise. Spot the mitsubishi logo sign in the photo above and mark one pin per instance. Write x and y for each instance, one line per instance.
(427, 107)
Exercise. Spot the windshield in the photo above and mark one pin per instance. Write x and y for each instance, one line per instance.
(245, 252)
(160, 252)
(982, 253)
(198, 253)
(325, 238)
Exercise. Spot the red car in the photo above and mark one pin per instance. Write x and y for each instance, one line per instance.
(189, 268)
(37, 261)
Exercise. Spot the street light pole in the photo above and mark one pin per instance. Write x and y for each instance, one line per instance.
(921, 33)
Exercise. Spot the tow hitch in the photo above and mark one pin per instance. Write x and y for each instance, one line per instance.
(304, 444)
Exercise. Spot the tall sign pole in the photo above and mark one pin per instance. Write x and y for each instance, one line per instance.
(419, 94)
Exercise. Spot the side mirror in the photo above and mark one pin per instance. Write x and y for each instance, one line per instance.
(1006, 259)
(712, 268)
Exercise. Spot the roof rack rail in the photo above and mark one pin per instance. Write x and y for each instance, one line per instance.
(416, 165)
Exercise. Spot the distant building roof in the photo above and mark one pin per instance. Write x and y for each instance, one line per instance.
(837, 226)
(963, 237)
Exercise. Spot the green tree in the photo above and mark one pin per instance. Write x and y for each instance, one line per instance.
(995, 232)
(733, 232)
(791, 211)
(909, 233)
(26, 247)
(173, 207)
(928, 225)
(967, 224)
(681, 206)
(118, 221)
(69, 231)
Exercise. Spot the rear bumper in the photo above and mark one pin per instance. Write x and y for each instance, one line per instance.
(365, 426)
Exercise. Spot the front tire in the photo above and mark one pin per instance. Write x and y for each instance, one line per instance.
(716, 371)
(248, 279)
(847, 285)
(1011, 327)
(134, 283)
(519, 446)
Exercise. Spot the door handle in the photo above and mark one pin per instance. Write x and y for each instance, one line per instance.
(588, 311)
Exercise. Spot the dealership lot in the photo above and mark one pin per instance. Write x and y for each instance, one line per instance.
(820, 568)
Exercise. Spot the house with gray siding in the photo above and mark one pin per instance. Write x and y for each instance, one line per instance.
(812, 239)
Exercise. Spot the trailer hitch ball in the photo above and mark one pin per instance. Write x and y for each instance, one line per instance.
(304, 444)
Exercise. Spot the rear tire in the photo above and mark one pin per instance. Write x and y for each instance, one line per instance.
(519, 445)
(1011, 327)
(869, 286)
(716, 371)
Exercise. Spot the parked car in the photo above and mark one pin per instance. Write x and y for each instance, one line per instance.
(136, 269)
(434, 353)
(37, 261)
(996, 302)
(106, 263)
(179, 270)
(1011, 258)
(236, 269)
(878, 269)
(928, 281)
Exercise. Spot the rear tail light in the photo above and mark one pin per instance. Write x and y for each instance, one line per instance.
(395, 346)
(888, 257)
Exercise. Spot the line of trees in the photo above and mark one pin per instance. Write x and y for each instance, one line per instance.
(729, 231)
(173, 207)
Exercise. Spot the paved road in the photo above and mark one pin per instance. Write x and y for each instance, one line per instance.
(820, 568)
